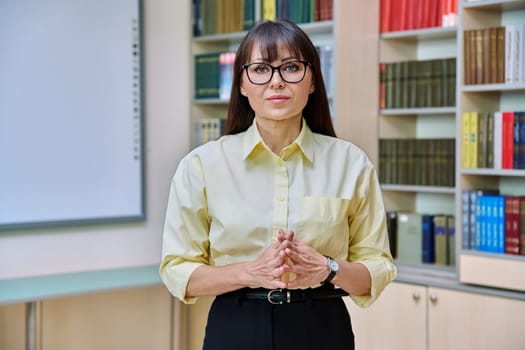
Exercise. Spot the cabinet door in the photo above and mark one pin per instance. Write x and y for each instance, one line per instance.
(464, 321)
(397, 320)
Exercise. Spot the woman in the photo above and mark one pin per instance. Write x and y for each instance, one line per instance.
(272, 216)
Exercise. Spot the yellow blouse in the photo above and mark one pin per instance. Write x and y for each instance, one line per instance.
(229, 198)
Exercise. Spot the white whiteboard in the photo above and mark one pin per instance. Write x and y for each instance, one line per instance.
(71, 120)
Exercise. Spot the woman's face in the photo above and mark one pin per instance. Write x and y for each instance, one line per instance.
(277, 100)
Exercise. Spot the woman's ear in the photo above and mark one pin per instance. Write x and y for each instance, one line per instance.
(312, 88)
(243, 91)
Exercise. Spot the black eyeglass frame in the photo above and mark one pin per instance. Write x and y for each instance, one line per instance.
(278, 69)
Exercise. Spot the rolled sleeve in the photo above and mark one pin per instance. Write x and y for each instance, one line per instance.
(369, 245)
(186, 229)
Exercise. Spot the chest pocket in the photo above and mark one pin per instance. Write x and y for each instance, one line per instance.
(324, 224)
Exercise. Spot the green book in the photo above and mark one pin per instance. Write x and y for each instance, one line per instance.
(249, 14)
(409, 237)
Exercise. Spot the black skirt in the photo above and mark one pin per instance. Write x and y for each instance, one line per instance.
(237, 323)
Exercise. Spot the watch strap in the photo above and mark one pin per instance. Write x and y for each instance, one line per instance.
(331, 275)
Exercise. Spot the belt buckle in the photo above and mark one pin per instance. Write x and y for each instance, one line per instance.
(270, 293)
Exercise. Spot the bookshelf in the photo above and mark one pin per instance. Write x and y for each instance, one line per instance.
(417, 123)
(368, 122)
(473, 267)
(482, 267)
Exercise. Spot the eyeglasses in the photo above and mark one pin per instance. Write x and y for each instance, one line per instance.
(261, 73)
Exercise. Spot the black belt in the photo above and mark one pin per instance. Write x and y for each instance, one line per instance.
(282, 296)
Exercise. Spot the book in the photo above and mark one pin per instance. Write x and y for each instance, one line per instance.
(269, 9)
(384, 23)
(507, 142)
(465, 220)
(427, 239)
(482, 140)
(512, 224)
(249, 14)
(521, 139)
(325, 9)
(451, 242)
(521, 62)
(391, 223)
(522, 228)
(467, 57)
(409, 237)
(465, 140)
(226, 61)
(519, 44)
(500, 56)
(510, 53)
(497, 140)
(473, 147)
(441, 240)
(207, 75)
(473, 197)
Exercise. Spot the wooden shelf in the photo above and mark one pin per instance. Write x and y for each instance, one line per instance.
(493, 87)
(494, 172)
(414, 188)
(425, 33)
(417, 111)
(492, 5)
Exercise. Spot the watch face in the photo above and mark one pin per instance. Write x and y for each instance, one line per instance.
(334, 266)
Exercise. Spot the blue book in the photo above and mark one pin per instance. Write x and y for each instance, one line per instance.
(500, 224)
(428, 239)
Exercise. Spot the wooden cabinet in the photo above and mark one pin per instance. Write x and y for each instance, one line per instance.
(397, 320)
(418, 317)
(137, 318)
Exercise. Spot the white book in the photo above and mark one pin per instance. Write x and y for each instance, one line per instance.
(519, 69)
(509, 53)
(498, 137)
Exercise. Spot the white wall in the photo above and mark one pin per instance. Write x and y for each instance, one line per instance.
(39, 252)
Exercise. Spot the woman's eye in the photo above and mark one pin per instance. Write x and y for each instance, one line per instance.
(261, 69)
(291, 67)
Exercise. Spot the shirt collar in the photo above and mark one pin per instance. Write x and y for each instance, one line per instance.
(252, 141)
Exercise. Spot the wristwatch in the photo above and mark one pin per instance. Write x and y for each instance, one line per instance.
(333, 267)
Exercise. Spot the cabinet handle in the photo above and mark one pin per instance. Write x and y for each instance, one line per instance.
(416, 296)
(433, 298)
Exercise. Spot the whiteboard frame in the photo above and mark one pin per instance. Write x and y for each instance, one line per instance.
(141, 216)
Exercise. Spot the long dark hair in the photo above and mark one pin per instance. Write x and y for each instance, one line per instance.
(270, 35)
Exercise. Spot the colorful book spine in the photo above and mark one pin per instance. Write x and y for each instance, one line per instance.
(441, 240)
(512, 224)
(427, 239)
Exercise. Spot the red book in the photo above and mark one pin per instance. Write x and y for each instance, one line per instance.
(423, 14)
(434, 6)
(326, 10)
(384, 25)
(507, 142)
(512, 224)
(397, 15)
(410, 17)
(522, 227)
(402, 13)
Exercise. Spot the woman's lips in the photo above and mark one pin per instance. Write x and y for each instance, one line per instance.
(278, 98)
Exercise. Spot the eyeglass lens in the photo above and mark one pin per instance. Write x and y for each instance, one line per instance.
(290, 72)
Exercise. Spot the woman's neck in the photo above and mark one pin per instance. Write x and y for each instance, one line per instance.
(278, 134)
